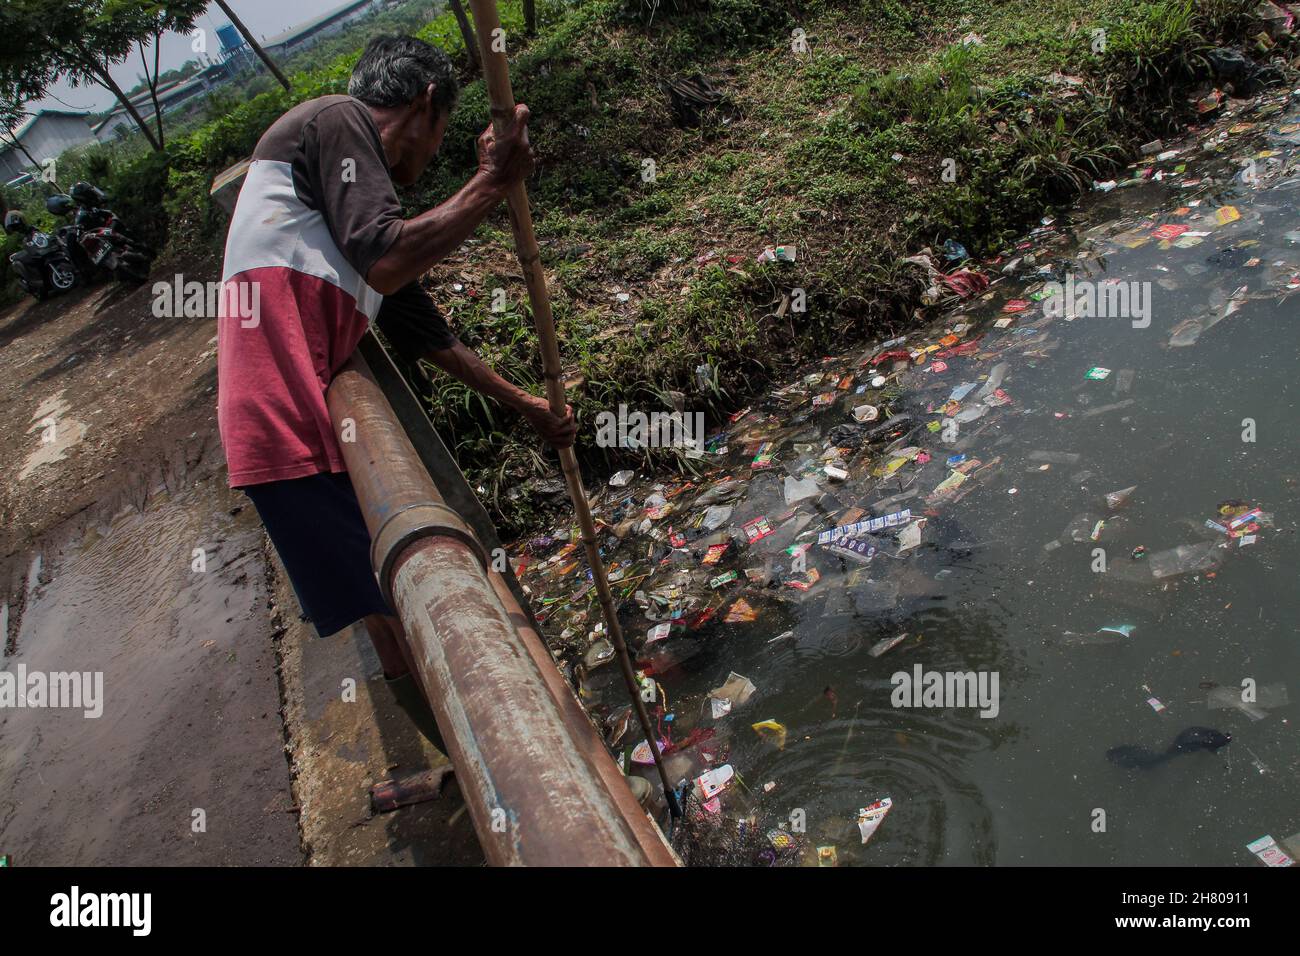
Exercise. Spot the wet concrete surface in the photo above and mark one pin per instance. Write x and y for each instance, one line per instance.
(186, 764)
(347, 734)
(230, 734)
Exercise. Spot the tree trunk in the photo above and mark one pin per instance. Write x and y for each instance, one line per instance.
(105, 79)
(152, 82)
(466, 34)
(157, 48)
(530, 17)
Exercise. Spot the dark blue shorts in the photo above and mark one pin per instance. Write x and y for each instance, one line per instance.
(316, 526)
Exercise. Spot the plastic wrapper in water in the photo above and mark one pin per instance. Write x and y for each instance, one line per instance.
(1185, 559)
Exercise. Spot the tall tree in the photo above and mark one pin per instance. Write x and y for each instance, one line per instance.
(82, 40)
(466, 33)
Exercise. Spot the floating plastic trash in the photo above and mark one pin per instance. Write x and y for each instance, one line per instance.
(712, 782)
(1118, 499)
(870, 817)
(865, 527)
(643, 755)
(797, 490)
(1123, 630)
(1268, 852)
(772, 731)
(1185, 559)
(886, 644)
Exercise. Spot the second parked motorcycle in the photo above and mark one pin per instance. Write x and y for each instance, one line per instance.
(103, 239)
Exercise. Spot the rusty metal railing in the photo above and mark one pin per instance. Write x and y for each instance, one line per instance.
(540, 786)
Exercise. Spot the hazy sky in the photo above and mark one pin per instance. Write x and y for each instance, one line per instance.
(262, 17)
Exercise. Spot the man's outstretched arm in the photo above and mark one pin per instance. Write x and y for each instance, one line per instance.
(433, 235)
(462, 362)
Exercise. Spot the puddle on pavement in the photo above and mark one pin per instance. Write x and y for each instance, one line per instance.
(56, 433)
(1099, 511)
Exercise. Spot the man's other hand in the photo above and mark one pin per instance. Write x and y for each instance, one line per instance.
(509, 159)
(558, 432)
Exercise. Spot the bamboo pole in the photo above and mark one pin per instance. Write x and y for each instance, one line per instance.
(496, 73)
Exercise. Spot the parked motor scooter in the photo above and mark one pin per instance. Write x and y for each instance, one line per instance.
(42, 265)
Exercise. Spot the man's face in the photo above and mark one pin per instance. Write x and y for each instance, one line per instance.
(422, 133)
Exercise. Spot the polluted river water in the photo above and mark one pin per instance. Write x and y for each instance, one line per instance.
(1069, 509)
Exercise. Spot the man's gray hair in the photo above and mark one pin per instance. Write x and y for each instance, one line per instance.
(394, 70)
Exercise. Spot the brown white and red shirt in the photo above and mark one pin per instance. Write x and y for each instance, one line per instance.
(316, 211)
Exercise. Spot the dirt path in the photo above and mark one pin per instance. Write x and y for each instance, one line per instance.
(100, 401)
